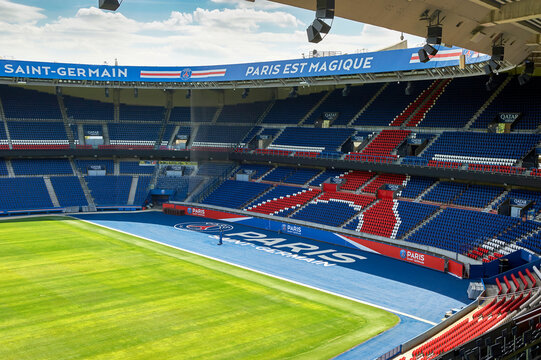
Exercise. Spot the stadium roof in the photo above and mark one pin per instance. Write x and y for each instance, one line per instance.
(471, 24)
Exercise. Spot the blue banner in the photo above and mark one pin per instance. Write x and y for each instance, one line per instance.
(384, 61)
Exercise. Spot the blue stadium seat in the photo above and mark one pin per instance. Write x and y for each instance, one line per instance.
(68, 191)
(41, 167)
(416, 185)
(85, 109)
(292, 110)
(235, 194)
(311, 139)
(19, 103)
(133, 167)
(109, 190)
(24, 194)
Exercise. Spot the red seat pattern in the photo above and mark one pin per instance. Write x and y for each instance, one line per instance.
(371, 158)
(444, 164)
(127, 147)
(385, 142)
(497, 168)
(355, 179)
(40, 147)
(310, 154)
(379, 219)
(399, 120)
(421, 113)
(382, 179)
(273, 152)
(536, 172)
(287, 202)
(361, 200)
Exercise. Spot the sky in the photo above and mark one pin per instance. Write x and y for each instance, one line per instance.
(173, 32)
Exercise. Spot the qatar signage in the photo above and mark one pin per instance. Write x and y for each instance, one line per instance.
(376, 62)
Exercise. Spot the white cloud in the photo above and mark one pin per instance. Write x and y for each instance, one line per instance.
(229, 35)
(18, 13)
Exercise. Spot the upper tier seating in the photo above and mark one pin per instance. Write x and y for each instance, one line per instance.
(242, 113)
(133, 167)
(292, 110)
(250, 136)
(356, 179)
(482, 148)
(311, 139)
(257, 170)
(140, 113)
(416, 185)
(346, 106)
(21, 103)
(515, 98)
(461, 230)
(532, 242)
(390, 103)
(445, 192)
(270, 131)
(478, 196)
(134, 134)
(235, 194)
(41, 167)
(329, 173)
(469, 92)
(183, 114)
(84, 109)
(219, 135)
(382, 179)
(24, 194)
(85, 165)
(68, 191)
(109, 190)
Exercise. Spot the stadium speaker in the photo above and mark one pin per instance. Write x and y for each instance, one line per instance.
(245, 93)
(434, 35)
(321, 26)
(345, 90)
(109, 4)
(325, 9)
(497, 53)
(430, 50)
(423, 56)
(408, 89)
(313, 35)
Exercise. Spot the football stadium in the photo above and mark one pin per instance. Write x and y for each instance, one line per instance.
(370, 205)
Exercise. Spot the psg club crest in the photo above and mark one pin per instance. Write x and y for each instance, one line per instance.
(403, 254)
(186, 74)
(208, 227)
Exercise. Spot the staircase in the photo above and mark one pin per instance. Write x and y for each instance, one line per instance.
(495, 201)
(9, 167)
(429, 189)
(133, 190)
(217, 114)
(414, 106)
(429, 144)
(84, 186)
(367, 104)
(5, 125)
(165, 121)
(105, 129)
(50, 190)
(312, 110)
(195, 130)
(488, 102)
(422, 223)
(65, 119)
(265, 113)
(116, 167)
(420, 114)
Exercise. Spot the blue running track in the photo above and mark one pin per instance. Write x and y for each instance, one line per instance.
(419, 296)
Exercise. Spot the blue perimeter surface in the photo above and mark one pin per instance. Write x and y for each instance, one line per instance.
(419, 296)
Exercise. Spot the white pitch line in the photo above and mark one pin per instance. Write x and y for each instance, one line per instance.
(267, 274)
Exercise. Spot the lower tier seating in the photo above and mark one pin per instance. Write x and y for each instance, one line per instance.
(235, 194)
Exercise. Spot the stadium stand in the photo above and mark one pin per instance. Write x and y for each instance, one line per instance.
(41, 167)
(141, 192)
(356, 179)
(321, 178)
(257, 170)
(301, 176)
(534, 196)
(282, 200)
(140, 113)
(382, 179)
(311, 139)
(24, 193)
(445, 192)
(109, 190)
(133, 134)
(415, 186)
(389, 104)
(85, 109)
(478, 196)
(85, 165)
(381, 146)
(3, 168)
(279, 173)
(216, 136)
(242, 113)
(68, 190)
(133, 167)
(515, 98)
(183, 114)
(19, 103)
(327, 212)
(291, 110)
(235, 194)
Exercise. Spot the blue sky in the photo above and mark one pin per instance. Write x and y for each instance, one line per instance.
(172, 32)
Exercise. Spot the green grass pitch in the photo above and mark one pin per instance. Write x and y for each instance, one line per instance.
(73, 290)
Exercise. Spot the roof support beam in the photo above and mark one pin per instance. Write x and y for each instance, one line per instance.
(514, 12)
(489, 4)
